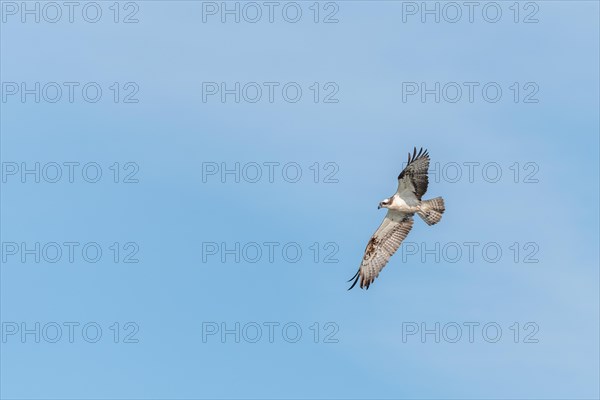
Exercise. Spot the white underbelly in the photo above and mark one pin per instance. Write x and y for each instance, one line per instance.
(401, 205)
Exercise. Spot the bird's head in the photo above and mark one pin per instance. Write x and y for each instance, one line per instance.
(385, 203)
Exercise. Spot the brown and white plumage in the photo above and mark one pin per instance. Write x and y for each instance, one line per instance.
(384, 243)
(412, 185)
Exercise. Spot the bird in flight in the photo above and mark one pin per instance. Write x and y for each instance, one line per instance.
(402, 206)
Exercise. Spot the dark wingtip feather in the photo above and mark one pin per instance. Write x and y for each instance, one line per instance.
(423, 153)
(355, 277)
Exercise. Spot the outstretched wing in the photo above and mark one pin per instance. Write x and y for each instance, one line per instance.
(385, 241)
(413, 181)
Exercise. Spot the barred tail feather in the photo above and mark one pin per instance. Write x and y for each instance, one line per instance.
(431, 210)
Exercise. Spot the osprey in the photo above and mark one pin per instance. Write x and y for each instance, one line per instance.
(412, 185)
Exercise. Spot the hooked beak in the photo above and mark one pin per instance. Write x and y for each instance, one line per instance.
(379, 206)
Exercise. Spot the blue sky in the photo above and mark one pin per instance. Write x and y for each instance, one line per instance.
(171, 217)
